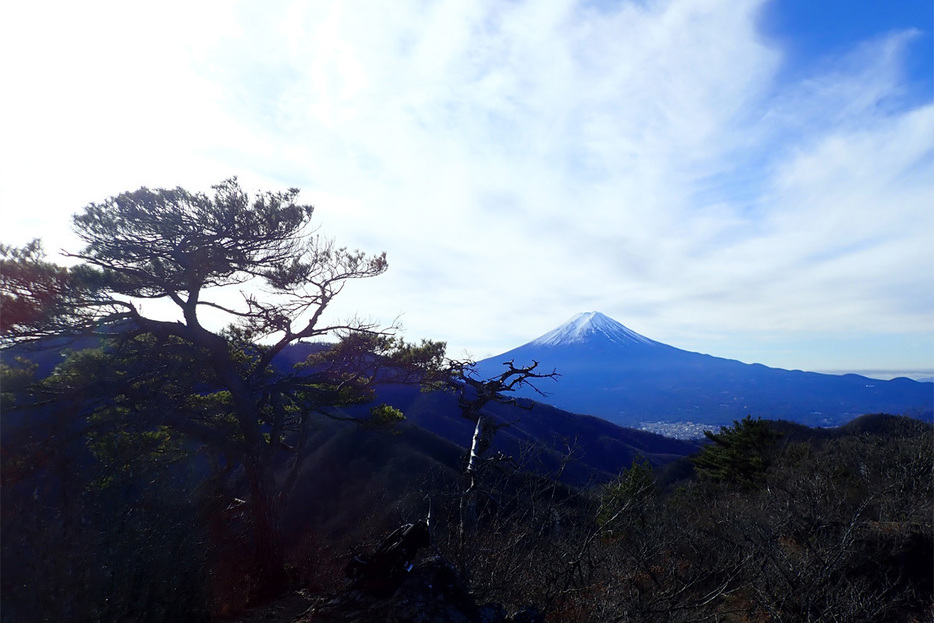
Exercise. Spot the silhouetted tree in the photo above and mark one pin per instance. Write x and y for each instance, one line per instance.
(474, 394)
(191, 252)
(33, 291)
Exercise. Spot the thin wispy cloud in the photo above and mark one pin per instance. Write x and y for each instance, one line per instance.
(523, 161)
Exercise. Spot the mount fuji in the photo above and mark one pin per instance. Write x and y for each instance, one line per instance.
(608, 370)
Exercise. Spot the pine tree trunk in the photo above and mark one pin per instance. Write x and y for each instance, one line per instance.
(268, 573)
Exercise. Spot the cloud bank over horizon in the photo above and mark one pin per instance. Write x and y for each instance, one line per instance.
(672, 164)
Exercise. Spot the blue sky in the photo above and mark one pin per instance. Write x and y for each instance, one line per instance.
(749, 179)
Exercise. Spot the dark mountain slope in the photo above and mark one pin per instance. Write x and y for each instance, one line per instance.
(601, 449)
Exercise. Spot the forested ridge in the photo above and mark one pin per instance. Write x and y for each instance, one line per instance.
(165, 470)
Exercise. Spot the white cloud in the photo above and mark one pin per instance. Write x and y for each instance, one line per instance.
(520, 161)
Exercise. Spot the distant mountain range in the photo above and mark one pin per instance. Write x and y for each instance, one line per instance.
(612, 372)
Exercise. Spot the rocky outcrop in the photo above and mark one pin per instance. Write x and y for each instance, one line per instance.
(387, 586)
(430, 593)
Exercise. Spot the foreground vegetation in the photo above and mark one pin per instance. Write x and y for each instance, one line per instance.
(836, 525)
(823, 526)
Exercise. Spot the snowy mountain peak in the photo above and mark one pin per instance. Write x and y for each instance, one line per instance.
(588, 326)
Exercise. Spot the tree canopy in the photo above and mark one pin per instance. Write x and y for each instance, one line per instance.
(176, 245)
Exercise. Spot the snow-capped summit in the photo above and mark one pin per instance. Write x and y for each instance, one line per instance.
(587, 326)
(607, 370)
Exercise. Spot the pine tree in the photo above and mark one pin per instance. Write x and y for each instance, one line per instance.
(740, 454)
